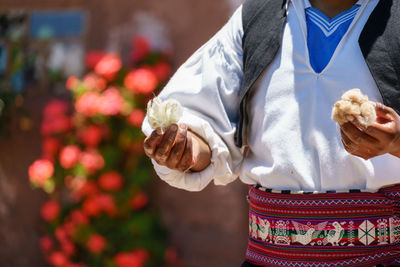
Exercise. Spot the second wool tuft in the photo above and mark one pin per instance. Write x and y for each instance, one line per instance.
(354, 105)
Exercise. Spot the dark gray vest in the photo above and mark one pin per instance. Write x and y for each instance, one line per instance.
(263, 22)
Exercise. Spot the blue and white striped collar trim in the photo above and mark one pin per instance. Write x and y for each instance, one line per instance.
(329, 25)
(307, 3)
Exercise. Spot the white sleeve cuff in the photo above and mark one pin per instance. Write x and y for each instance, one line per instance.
(219, 169)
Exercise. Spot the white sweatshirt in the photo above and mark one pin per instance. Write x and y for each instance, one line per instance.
(294, 145)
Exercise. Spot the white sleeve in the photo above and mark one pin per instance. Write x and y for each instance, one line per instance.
(207, 85)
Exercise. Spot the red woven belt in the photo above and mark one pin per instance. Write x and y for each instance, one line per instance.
(324, 229)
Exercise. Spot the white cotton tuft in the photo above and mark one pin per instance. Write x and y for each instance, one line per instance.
(163, 113)
(354, 104)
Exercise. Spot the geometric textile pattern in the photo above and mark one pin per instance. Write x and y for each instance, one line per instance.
(325, 229)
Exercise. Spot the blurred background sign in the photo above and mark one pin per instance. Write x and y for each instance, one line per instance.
(39, 49)
(56, 24)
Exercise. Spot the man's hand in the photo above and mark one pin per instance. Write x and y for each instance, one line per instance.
(178, 148)
(380, 138)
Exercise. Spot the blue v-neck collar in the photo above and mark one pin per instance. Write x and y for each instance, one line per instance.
(324, 34)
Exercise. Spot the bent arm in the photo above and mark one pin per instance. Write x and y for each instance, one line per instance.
(207, 86)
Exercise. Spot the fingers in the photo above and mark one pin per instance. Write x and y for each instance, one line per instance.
(387, 125)
(383, 111)
(379, 138)
(356, 150)
(151, 142)
(358, 143)
(382, 132)
(173, 149)
(177, 150)
(161, 153)
(358, 137)
(187, 160)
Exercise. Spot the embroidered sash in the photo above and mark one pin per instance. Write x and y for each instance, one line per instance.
(324, 229)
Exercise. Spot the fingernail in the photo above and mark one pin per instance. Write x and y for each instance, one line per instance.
(174, 127)
(183, 126)
(159, 131)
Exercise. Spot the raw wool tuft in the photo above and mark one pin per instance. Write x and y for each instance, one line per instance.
(354, 104)
(163, 113)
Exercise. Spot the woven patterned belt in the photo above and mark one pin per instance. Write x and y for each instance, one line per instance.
(324, 229)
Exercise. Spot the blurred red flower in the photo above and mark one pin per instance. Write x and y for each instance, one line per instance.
(92, 81)
(108, 66)
(69, 156)
(107, 204)
(92, 160)
(50, 146)
(78, 217)
(127, 260)
(110, 181)
(136, 117)
(95, 204)
(87, 188)
(139, 201)
(58, 259)
(131, 259)
(141, 254)
(61, 234)
(72, 82)
(111, 102)
(75, 184)
(96, 243)
(50, 210)
(55, 125)
(55, 108)
(46, 243)
(40, 171)
(140, 48)
(55, 118)
(93, 57)
(141, 81)
(162, 70)
(68, 248)
(91, 207)
(87, 104)
(70, 228)
(91, 135)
